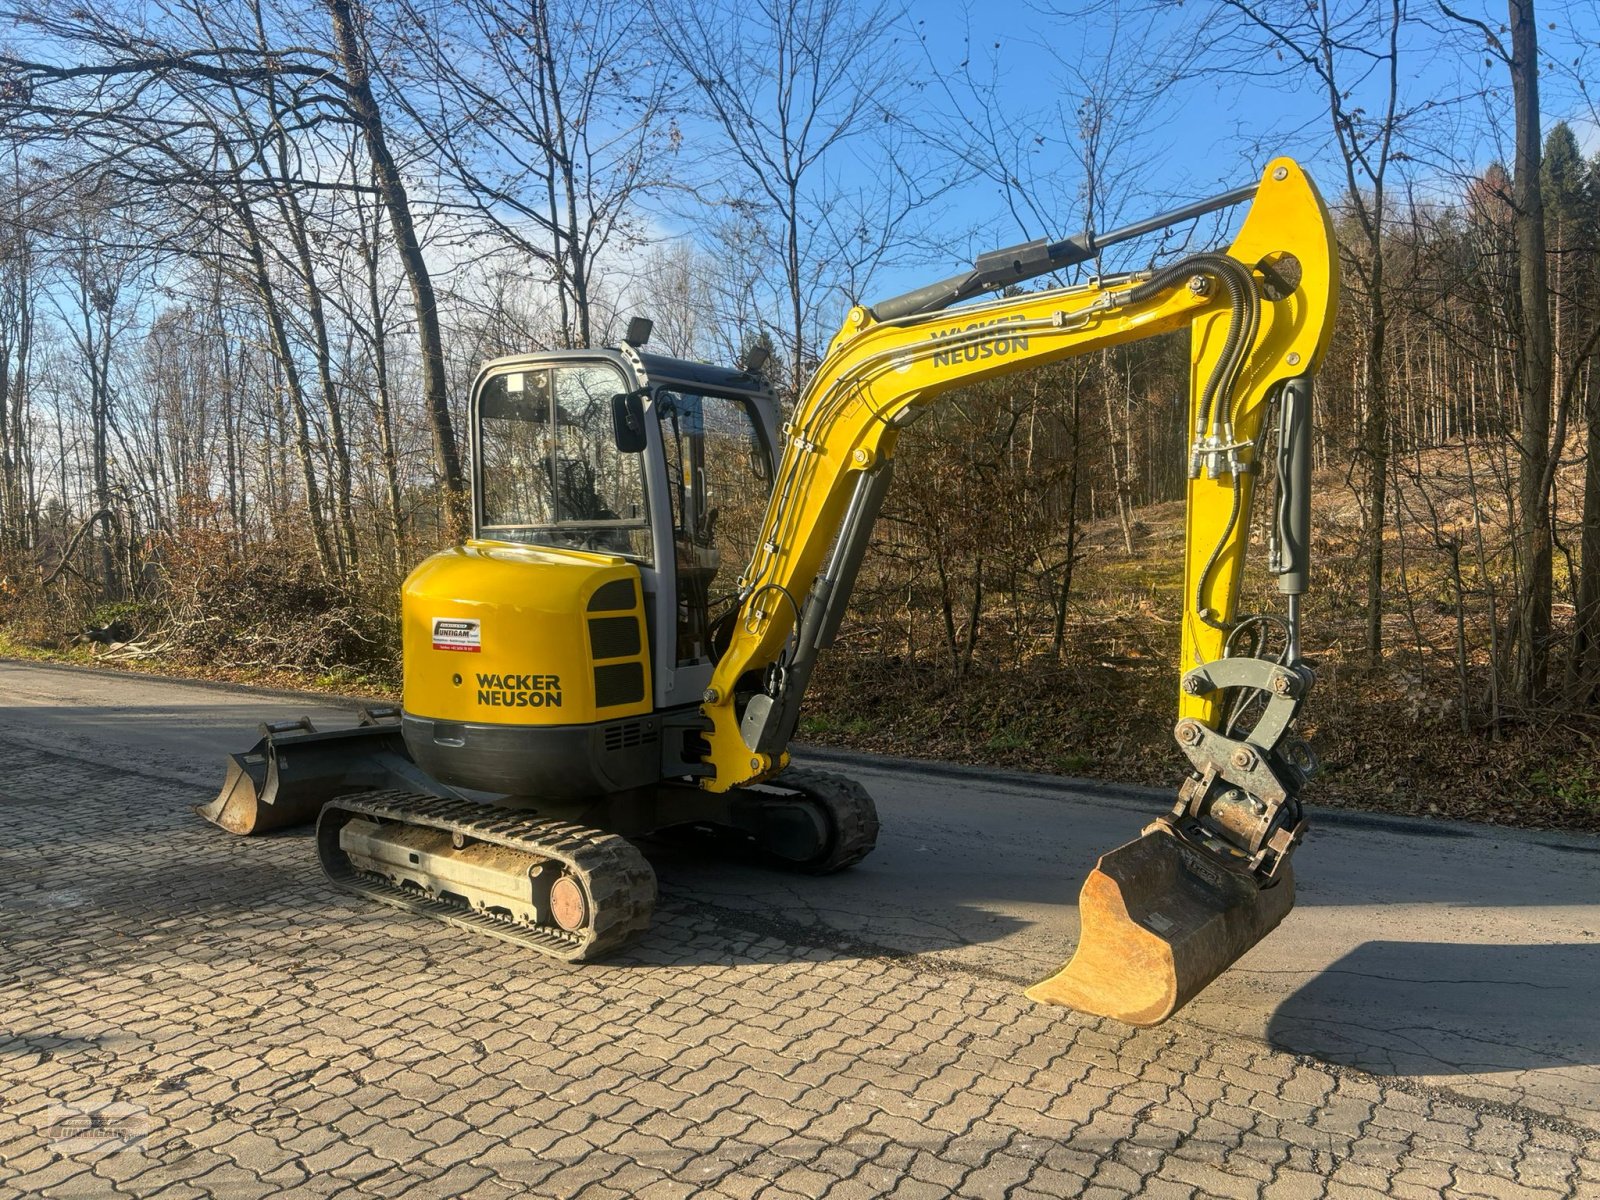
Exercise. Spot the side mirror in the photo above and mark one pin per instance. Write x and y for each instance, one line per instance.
(627, 422)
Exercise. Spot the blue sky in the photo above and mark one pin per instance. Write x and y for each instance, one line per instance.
(1221, 124)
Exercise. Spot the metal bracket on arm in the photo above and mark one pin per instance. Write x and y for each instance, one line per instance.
(1242, 803)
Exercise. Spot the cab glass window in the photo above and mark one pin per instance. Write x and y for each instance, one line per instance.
(549, 471)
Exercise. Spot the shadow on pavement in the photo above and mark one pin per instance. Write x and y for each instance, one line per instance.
(1418, 1008)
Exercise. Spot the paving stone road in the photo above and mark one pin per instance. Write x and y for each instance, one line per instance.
(184, 1014)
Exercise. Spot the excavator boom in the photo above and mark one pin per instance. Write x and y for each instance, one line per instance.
(1164, 915)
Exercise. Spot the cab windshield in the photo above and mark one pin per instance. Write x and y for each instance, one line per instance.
(549, 471)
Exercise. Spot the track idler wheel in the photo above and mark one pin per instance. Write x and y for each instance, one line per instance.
(836, 812)
(569, 907)
(1159, 920)
(813, 822)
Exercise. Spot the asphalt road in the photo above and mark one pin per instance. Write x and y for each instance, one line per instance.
(1465, 958)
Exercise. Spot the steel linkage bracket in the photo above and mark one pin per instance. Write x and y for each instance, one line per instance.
(1242, 802)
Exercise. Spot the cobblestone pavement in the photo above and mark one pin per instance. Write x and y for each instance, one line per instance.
(185, 1014)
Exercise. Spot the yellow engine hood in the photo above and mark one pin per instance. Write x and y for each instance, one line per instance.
(501, 633)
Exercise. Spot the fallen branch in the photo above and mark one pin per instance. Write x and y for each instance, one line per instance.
(72, 544)
(130, 651)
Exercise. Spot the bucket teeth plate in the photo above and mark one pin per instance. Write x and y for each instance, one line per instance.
(1159, 920)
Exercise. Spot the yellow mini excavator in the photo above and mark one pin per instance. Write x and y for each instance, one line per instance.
(622, 647)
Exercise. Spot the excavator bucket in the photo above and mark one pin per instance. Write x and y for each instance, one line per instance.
(287, 776)
(1159, 920)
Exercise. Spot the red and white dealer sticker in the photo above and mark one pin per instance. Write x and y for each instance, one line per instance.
(453, 633)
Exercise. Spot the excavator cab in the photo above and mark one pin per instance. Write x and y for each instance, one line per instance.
(664, 463)
(614, 496)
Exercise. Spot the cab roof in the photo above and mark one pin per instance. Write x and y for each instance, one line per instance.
(660, 369)
(653, 369)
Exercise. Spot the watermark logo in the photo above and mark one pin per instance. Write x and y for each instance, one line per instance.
(93, 1130)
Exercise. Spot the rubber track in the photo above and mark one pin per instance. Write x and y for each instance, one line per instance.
(620, 884)
(851, 813)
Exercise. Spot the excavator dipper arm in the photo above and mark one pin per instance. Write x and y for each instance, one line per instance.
(1162, 916)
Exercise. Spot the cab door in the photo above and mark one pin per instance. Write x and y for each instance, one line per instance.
(716, 473)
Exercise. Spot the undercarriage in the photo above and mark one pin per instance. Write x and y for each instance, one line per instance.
(560, 878)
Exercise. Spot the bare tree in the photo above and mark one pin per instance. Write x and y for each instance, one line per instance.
(1353, 53)
(19, 300)
(96, 314)
(552, 118)
(143, 96)
(363, 106)
(1535, 351)
(1535, 362)
(787, 84)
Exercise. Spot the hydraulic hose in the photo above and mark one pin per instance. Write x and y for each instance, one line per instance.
(1233, 520)
(1216, 399)
(1244, 311)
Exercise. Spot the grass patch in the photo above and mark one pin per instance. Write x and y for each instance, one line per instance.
(1578, 785)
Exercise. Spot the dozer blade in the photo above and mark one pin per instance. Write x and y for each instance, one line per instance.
(287, 776)
(1159, 920)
